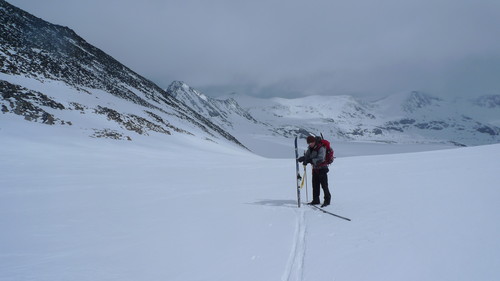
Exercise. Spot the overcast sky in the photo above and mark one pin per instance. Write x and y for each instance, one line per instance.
(294, 48)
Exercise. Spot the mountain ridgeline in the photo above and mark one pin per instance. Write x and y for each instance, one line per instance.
(50, 75)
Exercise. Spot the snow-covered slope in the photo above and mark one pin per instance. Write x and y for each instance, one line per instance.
(96, 209)
(50, 75)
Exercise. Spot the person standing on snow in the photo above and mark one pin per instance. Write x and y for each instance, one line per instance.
(315, 155)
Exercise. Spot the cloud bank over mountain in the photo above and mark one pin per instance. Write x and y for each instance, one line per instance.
(296, 48)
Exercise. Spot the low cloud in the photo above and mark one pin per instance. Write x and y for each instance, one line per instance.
(295, 47)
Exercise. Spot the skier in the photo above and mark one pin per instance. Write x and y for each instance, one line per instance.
(315, 155)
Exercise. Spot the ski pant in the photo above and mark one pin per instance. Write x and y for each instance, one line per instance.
(320, 178)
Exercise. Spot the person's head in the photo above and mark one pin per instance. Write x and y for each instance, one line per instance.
(311, 141)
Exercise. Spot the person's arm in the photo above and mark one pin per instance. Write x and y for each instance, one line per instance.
(306, 158)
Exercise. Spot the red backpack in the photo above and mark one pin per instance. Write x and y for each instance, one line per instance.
(329, 153)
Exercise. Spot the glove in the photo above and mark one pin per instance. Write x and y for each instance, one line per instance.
(301, 158)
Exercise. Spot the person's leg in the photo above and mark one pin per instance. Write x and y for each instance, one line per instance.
(315, 187)
(323, 179)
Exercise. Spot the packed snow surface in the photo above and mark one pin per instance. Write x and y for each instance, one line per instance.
(179, 208)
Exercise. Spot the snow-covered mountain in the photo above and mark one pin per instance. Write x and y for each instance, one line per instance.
(461, 121)
(225, 112)
(407, 117)
(412, 117)
(49, 74)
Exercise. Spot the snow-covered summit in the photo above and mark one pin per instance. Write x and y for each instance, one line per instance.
(223, 112)
(180, 90)
(488, 101)
(418, 100)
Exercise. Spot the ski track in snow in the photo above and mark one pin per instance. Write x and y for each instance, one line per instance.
(295, 264)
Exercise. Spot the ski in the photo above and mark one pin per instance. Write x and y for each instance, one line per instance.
(326, 212)
(299, 178)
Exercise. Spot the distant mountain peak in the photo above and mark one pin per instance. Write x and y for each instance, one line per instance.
(179, 89)
(489, 101)
(209, 107)
(418, 100)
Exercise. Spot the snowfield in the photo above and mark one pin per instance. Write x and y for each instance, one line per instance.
(184, 201)
(179, 208)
